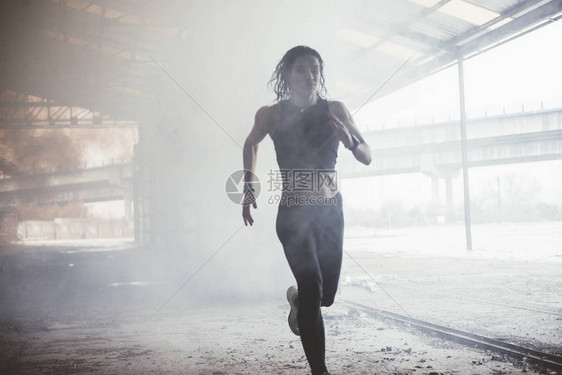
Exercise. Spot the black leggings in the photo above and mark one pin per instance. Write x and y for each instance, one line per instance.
(312, 237)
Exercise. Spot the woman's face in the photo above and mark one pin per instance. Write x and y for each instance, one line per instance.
(304, 77)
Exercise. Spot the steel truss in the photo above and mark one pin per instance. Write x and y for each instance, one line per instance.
(24, 111)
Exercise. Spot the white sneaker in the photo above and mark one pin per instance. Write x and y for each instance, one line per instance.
(292, 297)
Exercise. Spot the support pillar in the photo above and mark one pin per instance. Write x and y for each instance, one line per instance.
(467, 218)
(449, 199)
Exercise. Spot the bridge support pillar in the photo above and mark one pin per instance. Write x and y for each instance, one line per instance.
(444, 211)
(449, 199)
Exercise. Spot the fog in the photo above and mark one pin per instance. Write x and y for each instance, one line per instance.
(208, 111)
(207, 85)
(199, 92)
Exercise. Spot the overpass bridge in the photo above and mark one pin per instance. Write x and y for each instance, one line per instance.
(107, 182)
(435, 149)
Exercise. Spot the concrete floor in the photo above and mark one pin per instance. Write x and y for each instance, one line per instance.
(88, 307)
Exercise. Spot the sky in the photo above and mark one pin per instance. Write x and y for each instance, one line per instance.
(524, 71)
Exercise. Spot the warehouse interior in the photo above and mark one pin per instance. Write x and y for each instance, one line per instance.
(179, 83)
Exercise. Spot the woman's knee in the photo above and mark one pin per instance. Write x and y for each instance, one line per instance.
(327, 302)
(329, 295)
(310, 289)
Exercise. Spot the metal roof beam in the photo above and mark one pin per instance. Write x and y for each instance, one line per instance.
(426, 39)
(515, 27)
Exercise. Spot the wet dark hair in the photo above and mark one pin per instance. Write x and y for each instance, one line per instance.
(279, 78)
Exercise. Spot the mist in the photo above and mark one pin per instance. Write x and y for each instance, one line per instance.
(175, 88)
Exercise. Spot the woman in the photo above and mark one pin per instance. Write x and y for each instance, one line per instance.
(306, 130)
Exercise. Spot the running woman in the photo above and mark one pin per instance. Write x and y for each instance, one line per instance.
(306, 130)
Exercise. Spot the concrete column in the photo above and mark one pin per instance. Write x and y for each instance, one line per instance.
(449, 198)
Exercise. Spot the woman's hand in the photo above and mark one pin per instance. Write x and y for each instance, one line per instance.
(249, 200)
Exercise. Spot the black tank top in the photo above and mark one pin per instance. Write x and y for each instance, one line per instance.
(304, 139)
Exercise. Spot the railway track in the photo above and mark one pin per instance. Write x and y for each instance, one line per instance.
(547, 361)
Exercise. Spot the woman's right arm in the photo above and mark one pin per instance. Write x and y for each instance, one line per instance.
(262, 126)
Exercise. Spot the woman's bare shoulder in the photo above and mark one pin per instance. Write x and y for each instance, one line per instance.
(337, 107)
(269, 110)
(268, 116)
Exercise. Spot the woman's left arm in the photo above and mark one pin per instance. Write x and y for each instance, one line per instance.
(344, 126)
